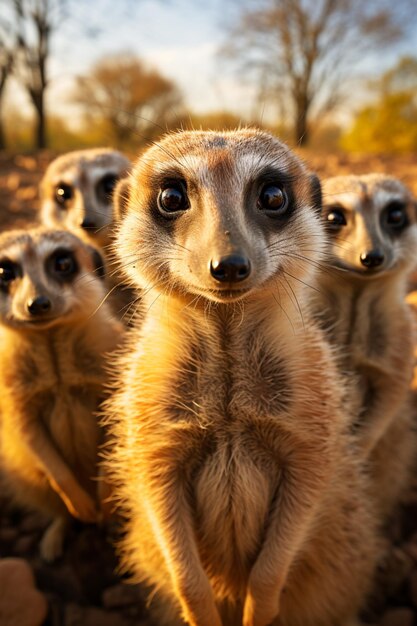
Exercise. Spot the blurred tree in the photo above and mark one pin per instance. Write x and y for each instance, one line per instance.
(303, 52)
(6, 65)
(390, 123)
(126, 98)
(35, 22)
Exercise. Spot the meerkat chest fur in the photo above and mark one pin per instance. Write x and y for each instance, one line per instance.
(227, 397)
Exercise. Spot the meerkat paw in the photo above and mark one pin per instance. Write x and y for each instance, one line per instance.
(260, 610)
(52, 542)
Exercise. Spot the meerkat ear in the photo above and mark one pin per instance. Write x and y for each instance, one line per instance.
(121, 197)
(316, 194)
(98, 263)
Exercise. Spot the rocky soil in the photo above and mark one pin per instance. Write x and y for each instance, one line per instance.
(83, 588)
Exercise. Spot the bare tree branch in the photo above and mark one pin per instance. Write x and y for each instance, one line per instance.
(312, 48)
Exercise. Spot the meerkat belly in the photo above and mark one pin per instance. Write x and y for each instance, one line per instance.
(238, 473)
(233, 490)
(73, 426)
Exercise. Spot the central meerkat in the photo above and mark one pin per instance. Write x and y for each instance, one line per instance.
(229, 450)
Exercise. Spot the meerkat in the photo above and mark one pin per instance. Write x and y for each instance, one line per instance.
(371, 220)
(77, 189)
(54, 338)
(230, 458)
(77, 193)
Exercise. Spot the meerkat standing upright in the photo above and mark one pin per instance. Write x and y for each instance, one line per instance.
(54, 336)
(77, 189)
(372, 224)
(229, 448)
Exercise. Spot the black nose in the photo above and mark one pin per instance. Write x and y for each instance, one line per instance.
(88, 223)
(39, 305)
(372, 258)
(230, 269)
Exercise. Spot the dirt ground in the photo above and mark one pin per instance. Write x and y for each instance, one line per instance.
(83, 588)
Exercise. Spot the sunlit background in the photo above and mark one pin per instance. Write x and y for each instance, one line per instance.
(329, 74)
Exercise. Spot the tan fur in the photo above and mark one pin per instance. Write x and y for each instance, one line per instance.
(51, 378)
(367, 318)
(230, 454)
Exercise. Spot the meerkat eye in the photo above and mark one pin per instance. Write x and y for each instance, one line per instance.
(63, 193)
(273, 200)
(8, 273)
(107, 184)
(173, 198)
(336, 217)
(63, 264)
(396, 216)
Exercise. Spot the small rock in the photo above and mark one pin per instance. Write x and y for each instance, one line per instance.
(26, 193)
(398, 617)
(13, 182)
(26, 162)
(21, 604)
(120, 596)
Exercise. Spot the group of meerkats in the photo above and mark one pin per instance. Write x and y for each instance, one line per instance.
(253, 419)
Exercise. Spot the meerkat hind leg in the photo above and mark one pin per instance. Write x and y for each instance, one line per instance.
(52, 542)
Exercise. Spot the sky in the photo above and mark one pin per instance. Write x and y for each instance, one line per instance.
(178, 37)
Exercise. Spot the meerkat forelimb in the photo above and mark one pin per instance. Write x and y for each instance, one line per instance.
(54, 336)
(229, 445)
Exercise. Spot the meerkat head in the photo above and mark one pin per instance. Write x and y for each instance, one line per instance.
(47, 278)
(218, 215)
(372, 223)
(77, 188)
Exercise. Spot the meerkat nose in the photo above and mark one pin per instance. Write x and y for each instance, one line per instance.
(88, 223)
(230, 269)
(39, 305)
(372, 258)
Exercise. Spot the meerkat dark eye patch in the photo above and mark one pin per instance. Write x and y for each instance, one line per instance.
(98, 263)
(316, 193)
(395, 216)
(335, 217)
(62, 265)
(9, 271)
(63, 194)
(106, 186)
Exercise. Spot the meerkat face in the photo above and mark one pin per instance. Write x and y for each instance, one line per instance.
(47, 277)
(77, 191)
(219, 215)
(372, 223)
